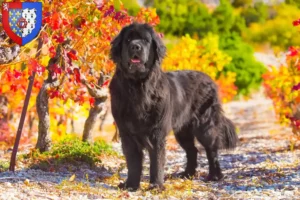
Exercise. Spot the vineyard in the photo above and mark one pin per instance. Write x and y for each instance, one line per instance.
(69, 145)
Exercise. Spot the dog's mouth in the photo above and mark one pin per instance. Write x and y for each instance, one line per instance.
(135, 59)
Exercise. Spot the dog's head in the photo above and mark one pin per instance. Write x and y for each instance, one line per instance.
(137, 50)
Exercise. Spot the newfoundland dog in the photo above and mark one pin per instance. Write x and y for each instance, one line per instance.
(148, 103)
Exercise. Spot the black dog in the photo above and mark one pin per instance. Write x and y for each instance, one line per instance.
(148, 103)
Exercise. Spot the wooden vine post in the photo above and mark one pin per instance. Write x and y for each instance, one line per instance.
(24, 111)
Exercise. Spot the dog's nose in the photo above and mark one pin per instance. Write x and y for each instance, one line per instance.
(136, 47)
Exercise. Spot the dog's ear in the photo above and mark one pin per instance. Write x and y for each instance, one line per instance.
(116, 47)
(160, 49)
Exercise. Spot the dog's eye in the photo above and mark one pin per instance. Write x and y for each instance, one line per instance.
(145, 40)
(128, 40)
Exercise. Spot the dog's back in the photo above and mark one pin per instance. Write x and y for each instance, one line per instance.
(193, 93)
(197, 113)
(196, 102)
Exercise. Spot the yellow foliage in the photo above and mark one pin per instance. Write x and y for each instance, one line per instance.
(62, 113)
(205, 56)
(281, 85)
(279, 31)
(45, 59)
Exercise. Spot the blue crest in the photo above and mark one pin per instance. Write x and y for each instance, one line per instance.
(22, 21)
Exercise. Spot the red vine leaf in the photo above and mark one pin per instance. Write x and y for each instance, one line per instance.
(292, 51)
(105, 83)
(92, 101)
(59, 38)
(296, 87)
(52, 52)
(13, 87)
(17, 74)
(55, 21)
(296, 22)
(34, 66)
(77, 75)
(72, 55)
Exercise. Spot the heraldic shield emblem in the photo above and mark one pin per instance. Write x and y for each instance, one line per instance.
(22, 21)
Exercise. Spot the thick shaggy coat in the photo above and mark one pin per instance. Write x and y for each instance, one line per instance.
(148, 103)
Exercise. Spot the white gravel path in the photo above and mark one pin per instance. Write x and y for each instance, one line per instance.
(262, 167)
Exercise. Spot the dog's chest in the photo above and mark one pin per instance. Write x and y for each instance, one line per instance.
(139, 118)
(134, 116)
(134, 108)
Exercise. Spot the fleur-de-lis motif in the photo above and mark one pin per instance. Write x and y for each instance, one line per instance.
(18, 13)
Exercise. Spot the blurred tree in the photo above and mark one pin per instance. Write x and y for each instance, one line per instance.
(173, 15)
(192, 16)
(293, 2)
(279, 31)
(224, 17)
(226, 20)
(248, 70)
(199, 20)
(184, 16)
(257, 13)
(132, 6)
(241, 3)
(148, 2)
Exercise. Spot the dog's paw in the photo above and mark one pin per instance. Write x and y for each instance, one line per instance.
(158, 187)
(186, 175)
(214, 177)
(125, 186)
(183, 175)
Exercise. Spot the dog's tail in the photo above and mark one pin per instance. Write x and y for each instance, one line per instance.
(228, 137)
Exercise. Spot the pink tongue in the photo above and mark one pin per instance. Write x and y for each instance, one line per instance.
(135, 60)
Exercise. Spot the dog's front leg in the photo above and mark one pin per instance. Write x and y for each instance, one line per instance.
(157, 162)
(134, 160)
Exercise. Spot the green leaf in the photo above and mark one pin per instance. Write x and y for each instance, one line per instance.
(23, 66)
(74, 11)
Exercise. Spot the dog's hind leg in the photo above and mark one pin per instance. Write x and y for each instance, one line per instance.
(185, 138)
(209, 140)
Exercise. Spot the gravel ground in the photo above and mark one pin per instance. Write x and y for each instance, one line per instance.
(262, 167)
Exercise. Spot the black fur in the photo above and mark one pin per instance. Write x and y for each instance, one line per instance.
(148, 103)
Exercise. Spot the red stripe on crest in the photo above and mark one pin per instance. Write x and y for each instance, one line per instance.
(14, 5)
(5, 20)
